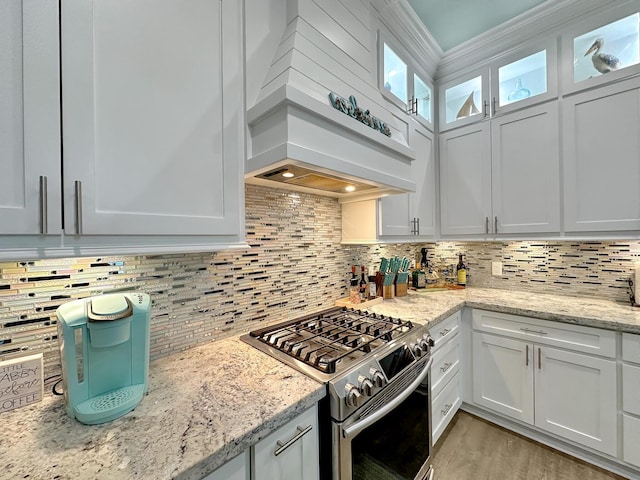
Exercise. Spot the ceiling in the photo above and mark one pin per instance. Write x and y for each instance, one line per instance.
(452, 22)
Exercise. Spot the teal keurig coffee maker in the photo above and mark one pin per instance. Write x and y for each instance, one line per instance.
(104, 349)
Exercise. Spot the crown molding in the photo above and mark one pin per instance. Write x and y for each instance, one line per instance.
(547, 18)
(399, 18)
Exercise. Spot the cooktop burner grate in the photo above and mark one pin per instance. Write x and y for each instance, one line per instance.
(324, 339)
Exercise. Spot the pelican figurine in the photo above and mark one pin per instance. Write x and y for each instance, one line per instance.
(603, 62)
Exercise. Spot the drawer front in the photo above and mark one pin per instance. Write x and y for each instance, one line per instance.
(631, 347)
(564, 335)
(631, 440)
(446, 363)
(445, 330)
(631, 389)
(444, 407)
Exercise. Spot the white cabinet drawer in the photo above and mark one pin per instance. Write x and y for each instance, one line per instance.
(444, 406)
(631, 389)
(564, 335)
(446, 363)
(444, 330)
(631, 347)
(631, 440)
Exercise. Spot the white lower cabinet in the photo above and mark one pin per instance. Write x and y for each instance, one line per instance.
(446, 383)
(570, 394)
(291, 452)
(631, 398)
(236, 469)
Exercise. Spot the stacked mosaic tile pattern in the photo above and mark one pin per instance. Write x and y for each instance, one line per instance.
(295, 265)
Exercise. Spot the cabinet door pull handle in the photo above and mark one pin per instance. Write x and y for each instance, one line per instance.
(418, 225)
(495, 224)
(283, 446)
(493, 112)
(44, 214)
(539, 358)
(446, 367)
(446, 409)
(78, 207)
(528, 330)
(526, 363)
(444, 332)
(485, 105)
(486, 225)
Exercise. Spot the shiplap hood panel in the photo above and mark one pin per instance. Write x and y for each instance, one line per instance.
(328, 46)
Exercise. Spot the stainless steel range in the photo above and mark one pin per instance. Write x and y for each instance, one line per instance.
(376, 369)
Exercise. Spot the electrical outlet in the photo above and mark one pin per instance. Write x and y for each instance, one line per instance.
(496, 268)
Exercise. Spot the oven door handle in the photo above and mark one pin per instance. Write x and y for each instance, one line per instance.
(357, 427)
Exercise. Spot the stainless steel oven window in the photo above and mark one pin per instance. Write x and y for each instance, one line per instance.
(392, 442)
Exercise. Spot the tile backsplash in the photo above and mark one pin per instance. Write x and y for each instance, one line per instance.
(295, 265)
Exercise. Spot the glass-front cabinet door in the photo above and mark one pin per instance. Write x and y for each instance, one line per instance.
(524, 78)
(465, 100)
(602, 50)
(423, 100)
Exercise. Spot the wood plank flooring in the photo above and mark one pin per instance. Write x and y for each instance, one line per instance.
(474, 449)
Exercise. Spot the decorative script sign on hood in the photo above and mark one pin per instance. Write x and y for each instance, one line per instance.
(351, 108)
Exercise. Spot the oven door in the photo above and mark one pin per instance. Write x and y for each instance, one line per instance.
(390, 436)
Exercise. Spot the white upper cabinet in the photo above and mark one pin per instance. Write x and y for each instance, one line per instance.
(465, 180)
(601, 159)
(130, 108)
(151, 144)
(602, 49)
(502, 177)
(464, 100)
(404, 86)
(520, 79)
(29, 118)
(412, 215)
(524, 78)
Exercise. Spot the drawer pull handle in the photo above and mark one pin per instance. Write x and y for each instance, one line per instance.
(539, 358)
(444, 332)
(283, 446)
(446, 409)
(44, 215)
(528, 330)
(78, 190)
(446, 367)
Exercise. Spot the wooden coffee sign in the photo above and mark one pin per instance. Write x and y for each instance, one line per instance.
(351, 108)
(21, 382)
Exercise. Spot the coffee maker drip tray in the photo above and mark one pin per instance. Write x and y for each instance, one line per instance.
(110, 405)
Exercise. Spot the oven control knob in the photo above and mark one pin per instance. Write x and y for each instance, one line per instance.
(425, 344)
(427, 338)
(366, 386)
(417, 350)
(377, 378)
(353, 395)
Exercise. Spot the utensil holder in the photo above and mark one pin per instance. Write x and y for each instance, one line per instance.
(401, 289)
(388, 291)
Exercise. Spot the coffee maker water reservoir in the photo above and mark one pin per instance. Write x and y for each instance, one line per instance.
(104, 349)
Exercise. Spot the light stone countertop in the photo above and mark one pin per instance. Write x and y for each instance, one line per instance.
(204, 407)
(210, 403)
(421, 307)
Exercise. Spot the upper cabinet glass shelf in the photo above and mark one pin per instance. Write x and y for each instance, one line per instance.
(522, 79)
(464, 100)
(607, 49)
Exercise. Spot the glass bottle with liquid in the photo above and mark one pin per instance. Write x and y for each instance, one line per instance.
(461, 271)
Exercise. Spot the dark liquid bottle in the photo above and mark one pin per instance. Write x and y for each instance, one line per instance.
(363, 284)
(461, 271)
